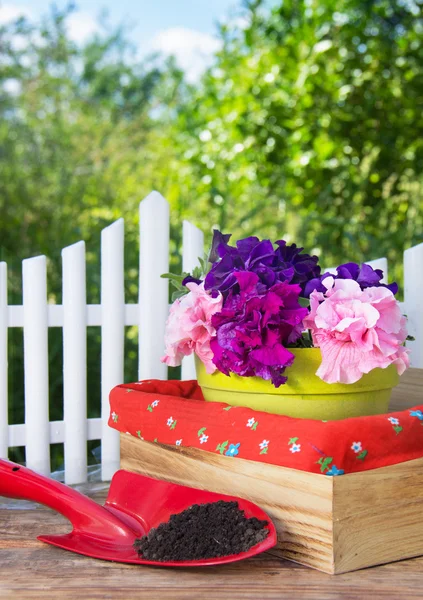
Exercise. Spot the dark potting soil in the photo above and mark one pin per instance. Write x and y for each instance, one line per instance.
(202, 531)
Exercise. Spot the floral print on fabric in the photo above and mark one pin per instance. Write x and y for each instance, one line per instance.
(174, 413)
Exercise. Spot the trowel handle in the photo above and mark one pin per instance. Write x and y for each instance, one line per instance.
(86, 516)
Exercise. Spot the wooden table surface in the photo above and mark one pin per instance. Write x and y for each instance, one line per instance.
(31, 569)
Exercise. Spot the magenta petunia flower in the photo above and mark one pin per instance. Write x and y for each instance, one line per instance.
(254, 326)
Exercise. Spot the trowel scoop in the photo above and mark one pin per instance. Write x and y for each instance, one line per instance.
(135, 504)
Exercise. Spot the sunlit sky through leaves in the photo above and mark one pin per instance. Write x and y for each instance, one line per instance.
(184, 28)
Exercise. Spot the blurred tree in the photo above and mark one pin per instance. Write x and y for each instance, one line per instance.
(78, 149)
(310, 127)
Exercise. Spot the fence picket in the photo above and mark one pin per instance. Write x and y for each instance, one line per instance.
(413, 294)
(4, 434)
(153, 291)
(75, 362)
(112, 337)
(34, 284)
(192, 249)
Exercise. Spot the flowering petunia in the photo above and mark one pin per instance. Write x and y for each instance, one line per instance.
(253, 328)
(189, 328)
(285, 263)
(363, 274)
(357, 330)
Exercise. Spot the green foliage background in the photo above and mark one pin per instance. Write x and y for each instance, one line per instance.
(308, 127)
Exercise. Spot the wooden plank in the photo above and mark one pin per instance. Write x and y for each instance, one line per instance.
(153, 308)
(300, 503)
(335, 524)
(409, 391)
(32, 570)
(378, 516)
(4, 413)
(112, 337)
(74, 291)
(36, 367)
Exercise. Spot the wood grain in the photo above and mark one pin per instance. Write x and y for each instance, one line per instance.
(409, 391)
(299, 503)
(378, 516)
(335, 524)
(31, 570)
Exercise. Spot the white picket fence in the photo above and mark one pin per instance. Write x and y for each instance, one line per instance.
(35, 315)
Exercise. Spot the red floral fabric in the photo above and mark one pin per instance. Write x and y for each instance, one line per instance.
(175, 413)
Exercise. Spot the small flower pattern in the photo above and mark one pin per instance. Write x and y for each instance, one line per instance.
(171, 422)
(154, 404)
(252, 423)
(417, 413)
(264, 446)
(356, 447)
(295, 448)
(235, 432)
(334, 471)
(395, 424)
(233, 450)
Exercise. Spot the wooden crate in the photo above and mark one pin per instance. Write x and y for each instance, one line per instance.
(334, 524)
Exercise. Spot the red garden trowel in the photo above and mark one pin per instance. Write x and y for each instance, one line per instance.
(135, 504)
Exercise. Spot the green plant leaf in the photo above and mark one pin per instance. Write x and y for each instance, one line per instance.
(304, 302)
(173, 277)
(201, 431)
(362, 455)
(179, 294)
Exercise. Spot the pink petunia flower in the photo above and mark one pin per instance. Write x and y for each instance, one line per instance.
(356, 330)
(189, 328)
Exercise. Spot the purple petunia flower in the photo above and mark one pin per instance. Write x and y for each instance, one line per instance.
(254, 326)
(285, 263)
(364, 274)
